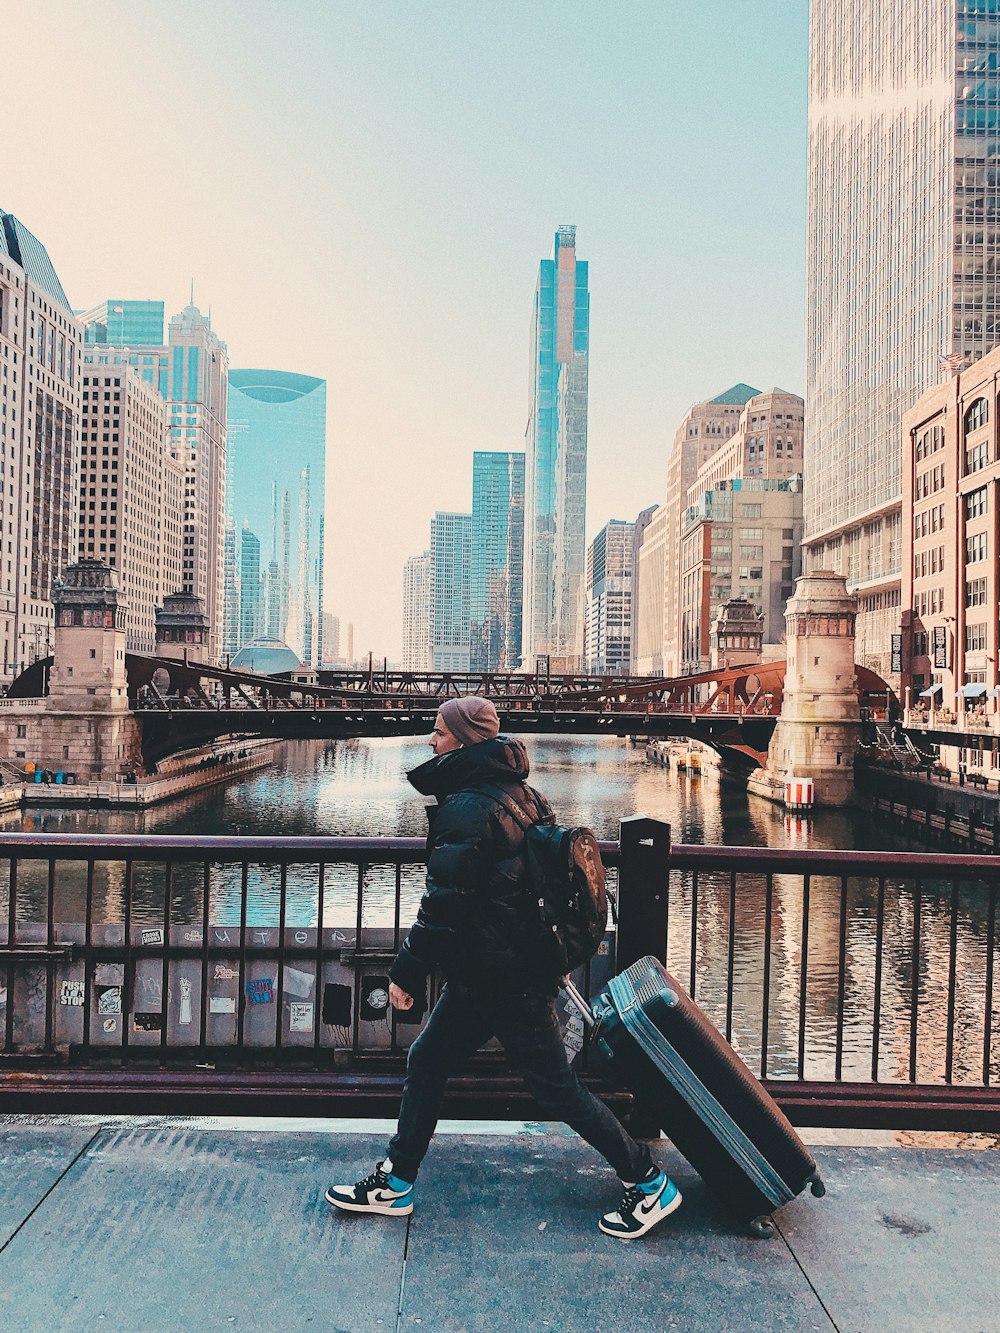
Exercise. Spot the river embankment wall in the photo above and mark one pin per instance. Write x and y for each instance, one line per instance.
(961, 816)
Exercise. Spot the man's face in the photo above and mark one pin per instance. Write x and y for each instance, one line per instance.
(442, 740)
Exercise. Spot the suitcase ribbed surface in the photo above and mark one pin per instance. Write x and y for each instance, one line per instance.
(682, 1026)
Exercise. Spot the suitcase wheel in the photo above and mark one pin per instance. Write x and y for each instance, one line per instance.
(763, 1227)
(816, 1186)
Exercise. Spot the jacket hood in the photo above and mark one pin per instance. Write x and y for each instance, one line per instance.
(500, 759)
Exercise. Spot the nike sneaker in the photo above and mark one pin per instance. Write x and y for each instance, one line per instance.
(644, 1204)
(381, 1192)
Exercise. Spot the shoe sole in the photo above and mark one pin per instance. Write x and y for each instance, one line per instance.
(385, 1210)
(671, 1207)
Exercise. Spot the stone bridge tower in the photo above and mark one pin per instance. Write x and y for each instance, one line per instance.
(820, 724)
(87, 727)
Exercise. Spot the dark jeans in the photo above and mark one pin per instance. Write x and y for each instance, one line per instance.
(528, 1030)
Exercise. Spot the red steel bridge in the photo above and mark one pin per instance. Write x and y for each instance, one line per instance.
(183, 704)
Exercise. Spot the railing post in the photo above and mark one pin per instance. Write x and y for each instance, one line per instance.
(643, 905)
(643, 890)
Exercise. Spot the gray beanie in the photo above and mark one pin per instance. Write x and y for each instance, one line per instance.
(470, 719)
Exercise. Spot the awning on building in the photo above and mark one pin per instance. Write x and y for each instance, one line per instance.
(994, 692)
(929, 694)
(972, 691)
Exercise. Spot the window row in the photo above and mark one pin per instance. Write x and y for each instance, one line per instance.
(928, 521)
(930, 482)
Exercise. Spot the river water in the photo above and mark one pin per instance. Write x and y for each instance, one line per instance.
(359, 788)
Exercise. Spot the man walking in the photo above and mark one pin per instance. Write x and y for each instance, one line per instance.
(473, 923)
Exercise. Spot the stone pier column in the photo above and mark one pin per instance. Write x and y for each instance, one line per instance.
(820, 723)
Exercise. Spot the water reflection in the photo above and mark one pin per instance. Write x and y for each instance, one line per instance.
(935, 951)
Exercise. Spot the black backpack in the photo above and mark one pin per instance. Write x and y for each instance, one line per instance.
(566, 889)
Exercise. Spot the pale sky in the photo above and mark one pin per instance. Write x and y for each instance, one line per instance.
(362, 191)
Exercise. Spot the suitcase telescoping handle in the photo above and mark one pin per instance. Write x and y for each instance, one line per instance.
(579, 1002)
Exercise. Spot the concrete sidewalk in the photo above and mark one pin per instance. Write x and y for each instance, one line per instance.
(171, 1226)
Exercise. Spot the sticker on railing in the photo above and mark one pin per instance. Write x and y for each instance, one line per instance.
(298, 983)
(151, 936)
(301, 1018)
(109, 999)
(260, 990)
(147, 1022)
(337, 1007)
(374, 999)
(72, 993)
(184, 1017)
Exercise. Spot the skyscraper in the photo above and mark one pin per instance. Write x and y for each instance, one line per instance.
(40, 346)
(276, 484)
(555, 488)
(416, 613)
(903, 229)
(191, 372)
(250, 588)
(450, 567)
(131, 491)
(608, 626)
(497, 541)
(703, 432)
(124, 323)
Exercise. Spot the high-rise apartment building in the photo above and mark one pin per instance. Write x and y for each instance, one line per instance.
(555, 488)
(131, 491)
(741, 539)
(276, 487)
(497, 542)
(450, 565)
(903, 228)
(417, 613)
(191, 372)
(250, 588)
(122, 323)
(40, 344)
(705, 429)
(608, 618)
(331, 638)
(648, 595)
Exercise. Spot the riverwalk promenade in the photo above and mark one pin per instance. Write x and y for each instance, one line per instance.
(163, 1225)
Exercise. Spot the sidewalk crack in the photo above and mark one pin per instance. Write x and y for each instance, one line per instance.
(402, 1275)
(798, 1265)
(58, 1181)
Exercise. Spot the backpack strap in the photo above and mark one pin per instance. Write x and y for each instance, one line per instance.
(503, 798)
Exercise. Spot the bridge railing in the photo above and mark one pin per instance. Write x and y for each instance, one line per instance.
(179, 972)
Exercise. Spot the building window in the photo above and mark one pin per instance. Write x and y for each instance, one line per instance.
(977, 457)
(975, 638)
(975, 592)
(976, 503)
(977, 415)
(975, 548)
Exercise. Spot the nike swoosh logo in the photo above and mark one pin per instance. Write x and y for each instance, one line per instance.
(647, 1208)
(385, 1196)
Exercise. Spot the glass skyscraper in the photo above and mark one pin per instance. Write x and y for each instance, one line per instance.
(903, 231)
(275, 496)
(555, 489)
(497, 542)
(124, 323)
(450, 569)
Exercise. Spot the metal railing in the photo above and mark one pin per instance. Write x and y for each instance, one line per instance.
(234, 973)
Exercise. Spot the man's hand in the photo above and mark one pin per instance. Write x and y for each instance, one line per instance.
(399, 998)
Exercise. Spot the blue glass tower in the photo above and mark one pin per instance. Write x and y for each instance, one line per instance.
(275, 489)
(555, 491)
(497, 541)
(124, 323)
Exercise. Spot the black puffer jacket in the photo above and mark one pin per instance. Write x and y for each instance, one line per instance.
(474, 914)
